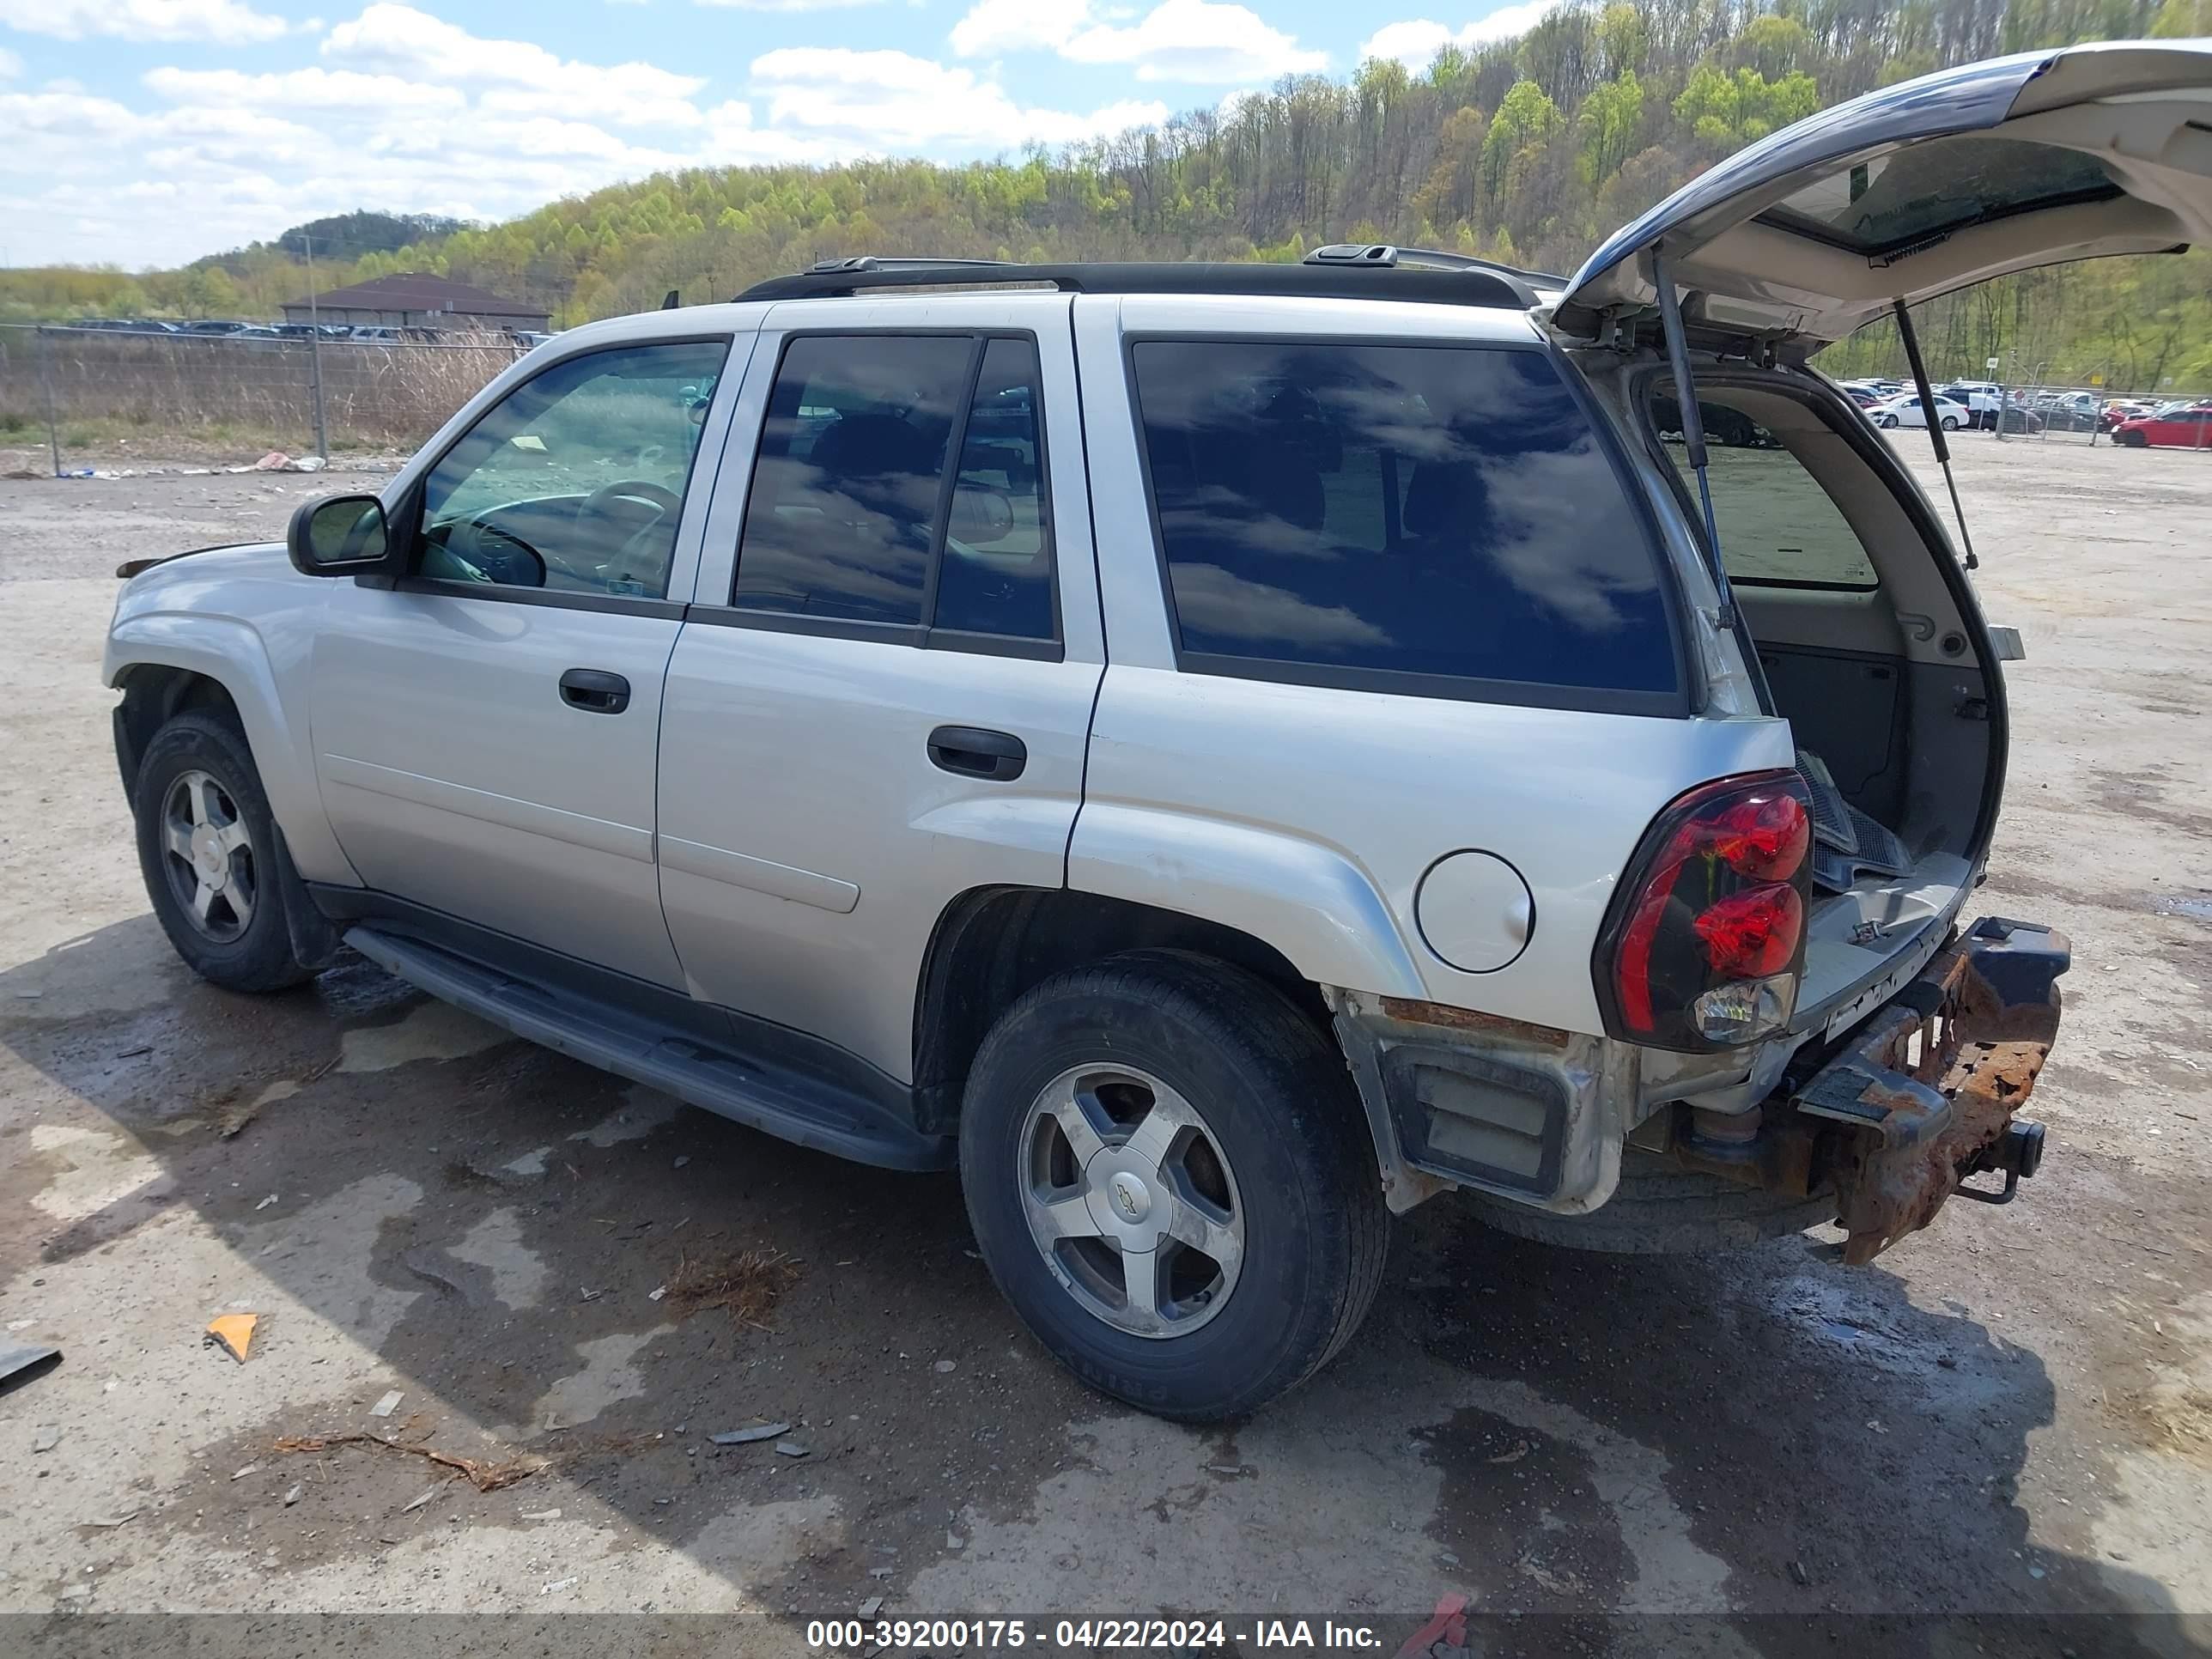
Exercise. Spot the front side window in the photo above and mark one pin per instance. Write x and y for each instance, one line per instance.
(574, 480)
(900, 481)
(1393, 514)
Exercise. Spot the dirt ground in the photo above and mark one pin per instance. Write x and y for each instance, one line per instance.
(2009, 1414)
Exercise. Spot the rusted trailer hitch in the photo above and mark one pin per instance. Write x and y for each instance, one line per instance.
(1920, 1097)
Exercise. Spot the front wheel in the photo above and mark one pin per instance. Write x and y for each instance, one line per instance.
(2131, 440)
(1888, 421)
(1170, 1177)
(207, 847)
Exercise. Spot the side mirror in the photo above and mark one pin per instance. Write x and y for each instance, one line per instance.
(338, 536)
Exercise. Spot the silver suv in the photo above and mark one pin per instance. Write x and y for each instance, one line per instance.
(1220, 754)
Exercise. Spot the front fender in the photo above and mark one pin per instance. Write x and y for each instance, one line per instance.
(236, 655)
(1308, 901)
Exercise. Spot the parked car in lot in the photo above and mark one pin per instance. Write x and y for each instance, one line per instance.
(1980, 400)
(1079, 731)
(2186, 427)
(1908, 411)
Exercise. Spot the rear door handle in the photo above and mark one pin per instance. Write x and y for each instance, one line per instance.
(975, 752)
(595, 690)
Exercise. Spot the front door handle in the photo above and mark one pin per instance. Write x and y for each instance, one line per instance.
(595, 690)
(975, 752)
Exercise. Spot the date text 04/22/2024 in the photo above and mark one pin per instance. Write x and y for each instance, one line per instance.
(891, 1635)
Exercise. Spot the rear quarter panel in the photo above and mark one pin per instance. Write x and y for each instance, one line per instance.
(1308, 817)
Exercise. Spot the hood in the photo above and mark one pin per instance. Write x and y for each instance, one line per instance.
(1922, 188)
(131, 568)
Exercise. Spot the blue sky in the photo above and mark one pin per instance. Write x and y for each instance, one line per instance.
(146, 132)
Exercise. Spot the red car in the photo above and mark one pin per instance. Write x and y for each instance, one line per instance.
(2175, 429)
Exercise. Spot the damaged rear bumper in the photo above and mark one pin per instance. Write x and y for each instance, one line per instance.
(1901, 1111)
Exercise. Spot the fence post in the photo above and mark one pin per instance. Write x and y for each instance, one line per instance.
(315, 348)
(315, 370)
(46, 385)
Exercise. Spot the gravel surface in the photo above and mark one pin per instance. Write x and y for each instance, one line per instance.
(2010, 1412)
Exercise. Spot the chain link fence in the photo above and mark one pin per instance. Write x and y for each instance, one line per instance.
(88, 401)
(2085, 414)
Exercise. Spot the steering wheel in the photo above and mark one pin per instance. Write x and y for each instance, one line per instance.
(486, 553)
(664, 502)
(643, 490)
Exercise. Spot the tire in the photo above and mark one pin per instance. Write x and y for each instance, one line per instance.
(1659, 1209)
(2131, 440)
(1950, 424)
(1274, 1108)
(1888, 423)
(251, 952)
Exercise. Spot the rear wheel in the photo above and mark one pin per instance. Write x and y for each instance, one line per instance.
(1170, 1178)
(1950, 424)
(207, 848)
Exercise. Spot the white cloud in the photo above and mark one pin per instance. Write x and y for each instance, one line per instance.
(773, 5)
(308, 91)
(997, 25)
(10, 65)
(881, 101)
(1186, 40)
(519, 77)
(229, 21)
(408, 113)
(1416, 42)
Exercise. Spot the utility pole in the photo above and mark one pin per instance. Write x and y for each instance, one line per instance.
(315, 347)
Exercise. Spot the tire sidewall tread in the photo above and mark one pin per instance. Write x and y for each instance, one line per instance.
(1277, 1096)
(261, 958)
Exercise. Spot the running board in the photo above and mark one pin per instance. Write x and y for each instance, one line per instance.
(798, 1106)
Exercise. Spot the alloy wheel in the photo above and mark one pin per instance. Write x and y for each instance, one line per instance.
(1129, 1197)
(208, 855)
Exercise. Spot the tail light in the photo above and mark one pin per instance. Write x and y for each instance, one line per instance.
(1705, 941)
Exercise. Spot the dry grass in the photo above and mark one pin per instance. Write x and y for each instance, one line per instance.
(153, 387)
(747, 1285)
(483, 1475)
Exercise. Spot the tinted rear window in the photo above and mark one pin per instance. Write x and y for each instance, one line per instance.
(1396, 516)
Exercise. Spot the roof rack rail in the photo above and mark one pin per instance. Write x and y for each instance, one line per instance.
(1439, 279)
(1390, 253)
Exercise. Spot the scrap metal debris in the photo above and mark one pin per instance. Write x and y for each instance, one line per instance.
(46, 1439)
(484, 1476)
(748, 1285)
(388, 1405)
(233, 1332)
(749, 1433)
(21, 1361)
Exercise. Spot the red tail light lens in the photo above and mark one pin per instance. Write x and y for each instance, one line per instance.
(1706, 940)
(1751, 934)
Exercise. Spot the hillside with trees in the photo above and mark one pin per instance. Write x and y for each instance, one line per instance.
(1528, 150)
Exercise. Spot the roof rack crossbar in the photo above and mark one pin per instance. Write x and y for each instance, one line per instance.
(1476, 283)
